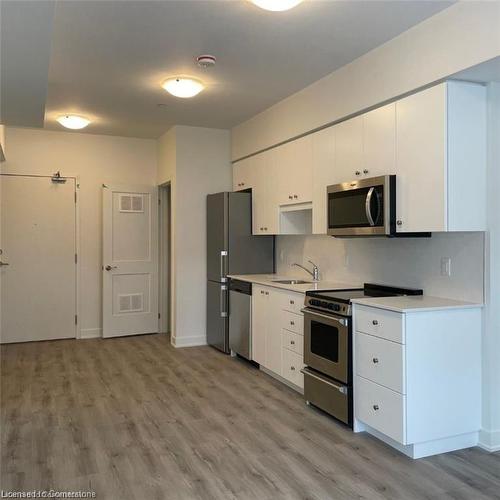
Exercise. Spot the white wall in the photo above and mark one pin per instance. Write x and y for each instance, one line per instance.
(95, 159)
(457, 38)
(202, 166)
(490, 436)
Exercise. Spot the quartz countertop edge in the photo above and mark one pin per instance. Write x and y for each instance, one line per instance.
(418, 303)
(270, 280)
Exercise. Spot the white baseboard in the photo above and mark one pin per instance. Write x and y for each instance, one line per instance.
(193, 341)
(90, 333)
(489, 440)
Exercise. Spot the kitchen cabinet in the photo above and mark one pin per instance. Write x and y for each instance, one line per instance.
(265, 210)
(379, 141)
(441, 159)
(348, 150)
(292, 162)
(277, 332)
(417, 377)
(244, 174)
(323, 173)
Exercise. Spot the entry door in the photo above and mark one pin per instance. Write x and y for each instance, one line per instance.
(38, 271)
(130, 260)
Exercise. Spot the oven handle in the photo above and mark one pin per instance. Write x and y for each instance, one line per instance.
(342, 321)
(341, 388)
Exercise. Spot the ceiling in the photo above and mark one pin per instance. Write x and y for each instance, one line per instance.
(108, 58)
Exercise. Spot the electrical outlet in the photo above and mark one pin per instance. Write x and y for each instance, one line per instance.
(445, 266)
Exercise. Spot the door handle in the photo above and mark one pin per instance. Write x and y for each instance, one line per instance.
(110, 268)
(3, 263)
(223, 254)
(368, 209)
(223, 311)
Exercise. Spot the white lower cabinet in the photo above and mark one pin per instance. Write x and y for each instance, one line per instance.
(277, 332)
(417, 377)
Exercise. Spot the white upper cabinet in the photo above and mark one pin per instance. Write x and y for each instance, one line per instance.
(379, 141)
(349, 161)
(440, 159)
(293, 164)
(265, 208)
(244, 174)
(323, 172)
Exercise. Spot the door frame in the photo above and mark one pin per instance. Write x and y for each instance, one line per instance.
(76, 188)
(165, 257)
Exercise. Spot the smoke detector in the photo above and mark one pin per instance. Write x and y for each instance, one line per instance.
(206, 61)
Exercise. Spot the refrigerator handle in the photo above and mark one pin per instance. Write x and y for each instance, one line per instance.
(223, 302)
(223, 277)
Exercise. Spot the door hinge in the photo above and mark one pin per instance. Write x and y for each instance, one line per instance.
(76, 319)
(75, 196)
(159, 315)
(76, 258)
(159, 201)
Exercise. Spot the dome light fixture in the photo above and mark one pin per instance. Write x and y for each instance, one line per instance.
(73, 122)
(276, 5)
(183, 87)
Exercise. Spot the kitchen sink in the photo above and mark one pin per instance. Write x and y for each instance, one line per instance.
(292, 282)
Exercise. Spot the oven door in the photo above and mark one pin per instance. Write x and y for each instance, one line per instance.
(362, 208)
(327, 344)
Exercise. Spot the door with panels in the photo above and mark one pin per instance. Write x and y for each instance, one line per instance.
(130, 260)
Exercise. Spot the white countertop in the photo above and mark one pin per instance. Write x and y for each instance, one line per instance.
(270, 280)
(418, 303)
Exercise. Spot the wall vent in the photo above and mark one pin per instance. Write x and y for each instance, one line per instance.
(131, 203)
(132, 302)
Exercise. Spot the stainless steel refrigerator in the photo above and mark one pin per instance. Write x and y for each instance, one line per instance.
(231, 249)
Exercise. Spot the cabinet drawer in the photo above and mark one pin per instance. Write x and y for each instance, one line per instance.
(292, 364)
(381, 361)
(385, 324)
(293, 341)
(293, 322)
(293, 302)
(380, 408)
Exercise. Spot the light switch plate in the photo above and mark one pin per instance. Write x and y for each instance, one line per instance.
(445, 266)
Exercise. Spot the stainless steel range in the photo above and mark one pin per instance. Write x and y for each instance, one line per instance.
(328, 346)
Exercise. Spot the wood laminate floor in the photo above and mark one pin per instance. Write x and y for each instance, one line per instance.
(134, 418)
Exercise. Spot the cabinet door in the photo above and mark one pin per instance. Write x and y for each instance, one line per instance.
(421, 182)
(273, 334)
(349, 150)
(323, 171)
(243, 174)
(259, 324)
(379, 141)
(294, 173)
(265, 209)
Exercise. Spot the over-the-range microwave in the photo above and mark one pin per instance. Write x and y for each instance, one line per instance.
(365, 207)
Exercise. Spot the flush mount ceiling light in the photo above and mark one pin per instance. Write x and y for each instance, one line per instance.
(276, 5)
(74, 122)
(184, 87)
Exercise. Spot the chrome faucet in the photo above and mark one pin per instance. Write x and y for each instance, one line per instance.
(315, 271)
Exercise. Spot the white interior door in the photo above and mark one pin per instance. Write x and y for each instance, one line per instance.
(130, 260)
(38, 235)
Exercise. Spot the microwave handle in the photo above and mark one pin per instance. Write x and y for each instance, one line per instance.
(368, 203)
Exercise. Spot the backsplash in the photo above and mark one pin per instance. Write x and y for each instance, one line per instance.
(413, 262)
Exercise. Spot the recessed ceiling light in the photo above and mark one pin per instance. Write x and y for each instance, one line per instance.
(74, 122)
(276, 5)
(184, 87)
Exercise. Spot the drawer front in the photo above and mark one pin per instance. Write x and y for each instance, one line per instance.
(293, 302)
(380, 360)
(384, 324)
(380, 408)
(292, 341)
(292, 364)
(293, 322)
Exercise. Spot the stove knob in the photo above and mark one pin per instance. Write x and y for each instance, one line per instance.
(337, 307)
(324, 304)
(331, 307)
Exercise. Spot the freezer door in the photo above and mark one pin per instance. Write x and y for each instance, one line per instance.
(217, 315)
(217, 209)
(239, 323)
(247, 254)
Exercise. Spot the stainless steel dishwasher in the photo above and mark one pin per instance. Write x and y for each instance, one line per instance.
(240, 303)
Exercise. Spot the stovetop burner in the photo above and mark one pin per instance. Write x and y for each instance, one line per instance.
(339, 301)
